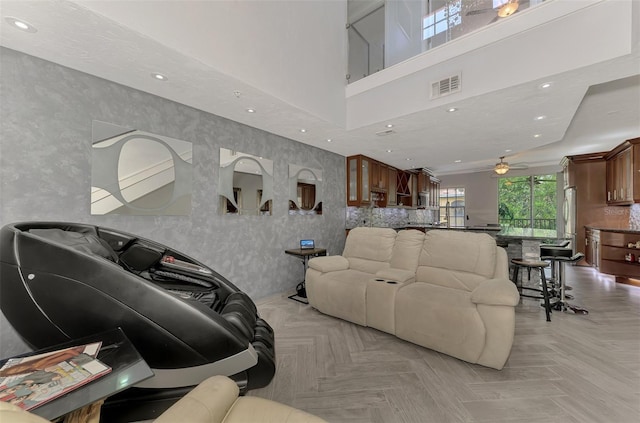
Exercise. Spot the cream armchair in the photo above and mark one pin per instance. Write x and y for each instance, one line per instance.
(215, 400)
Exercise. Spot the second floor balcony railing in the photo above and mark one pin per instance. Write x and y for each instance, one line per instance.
(385, 32)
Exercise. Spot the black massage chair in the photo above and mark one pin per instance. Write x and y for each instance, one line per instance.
(62, 281)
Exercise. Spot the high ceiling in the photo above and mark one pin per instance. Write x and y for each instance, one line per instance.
(286, 60)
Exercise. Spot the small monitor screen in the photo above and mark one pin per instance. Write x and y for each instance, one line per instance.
(307, 244)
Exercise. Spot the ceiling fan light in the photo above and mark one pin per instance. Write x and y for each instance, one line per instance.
(508, 9)
(501, 168)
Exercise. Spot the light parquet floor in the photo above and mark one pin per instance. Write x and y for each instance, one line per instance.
(576, 368)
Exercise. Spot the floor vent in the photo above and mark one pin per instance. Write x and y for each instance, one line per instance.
(445, 86)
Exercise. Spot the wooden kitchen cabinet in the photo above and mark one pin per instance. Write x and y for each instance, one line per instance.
(429, 189)
(358, 181)
(586, 173)
(403, 188)
(379, 176)
(623, 173)
(619, 253)
(392, 192)
(367, 181)
(592, 245)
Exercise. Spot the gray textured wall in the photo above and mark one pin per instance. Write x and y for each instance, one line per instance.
(45, 174)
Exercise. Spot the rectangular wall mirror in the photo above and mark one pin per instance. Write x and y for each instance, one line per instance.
(245, 183)
(139, 173)
(305, 190)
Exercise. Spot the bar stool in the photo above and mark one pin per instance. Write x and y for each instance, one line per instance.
(562, 304)
(533, 264)
(553, 254)
(546, 250)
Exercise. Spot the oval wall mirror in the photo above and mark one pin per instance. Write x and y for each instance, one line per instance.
(305, 190)
(245, 183)
(135, 172)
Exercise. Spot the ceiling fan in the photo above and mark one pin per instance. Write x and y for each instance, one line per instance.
(503, 167)
(507, 8)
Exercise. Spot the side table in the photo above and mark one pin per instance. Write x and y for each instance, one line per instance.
(127, 368)
(304, 255)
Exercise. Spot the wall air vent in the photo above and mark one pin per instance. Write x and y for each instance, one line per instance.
(385, 132)
(445, 86)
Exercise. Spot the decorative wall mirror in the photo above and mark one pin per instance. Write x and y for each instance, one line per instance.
(245, 183)
(305, 190)
(135, 172)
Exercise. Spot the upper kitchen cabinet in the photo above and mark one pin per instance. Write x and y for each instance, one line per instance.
(367, 182)
(428, 190)
(392, 193)
(623, 173)
(379, 176)
(358, 181)
(403, 188)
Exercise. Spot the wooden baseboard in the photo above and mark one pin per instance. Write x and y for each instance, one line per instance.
(628, 281)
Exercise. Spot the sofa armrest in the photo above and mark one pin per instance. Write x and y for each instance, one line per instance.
(209, 402)
(496, 292)
(326, 264)
(398, 275)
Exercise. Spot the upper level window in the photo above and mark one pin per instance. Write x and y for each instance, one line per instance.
(442, 19)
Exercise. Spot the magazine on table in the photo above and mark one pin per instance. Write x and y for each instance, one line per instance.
(29, 382)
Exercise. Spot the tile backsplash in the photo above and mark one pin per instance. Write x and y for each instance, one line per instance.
(634, 217)
(388, 217)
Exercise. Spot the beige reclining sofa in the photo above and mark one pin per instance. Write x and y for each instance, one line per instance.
(445, 290)
(215, 400)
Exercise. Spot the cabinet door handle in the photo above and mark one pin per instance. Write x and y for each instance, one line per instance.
(608, 195)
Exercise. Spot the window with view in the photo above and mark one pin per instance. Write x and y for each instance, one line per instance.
(442, 19)
(528, 204)
(452, 207)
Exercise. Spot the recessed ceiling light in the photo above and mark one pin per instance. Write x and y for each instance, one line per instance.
(303, 130)
(21, 25)
(389, 125)
(389, 151)
(329, 140)
(508, 150)
(408, 159)
(452, 109)
(251, 110)
(458, 161)
(159, 76)
(545, 85)
(537, 135)
(540, 117)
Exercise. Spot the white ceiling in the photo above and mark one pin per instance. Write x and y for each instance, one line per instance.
(287, 60)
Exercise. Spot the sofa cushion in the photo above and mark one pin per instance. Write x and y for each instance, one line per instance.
(374, 244)
(459, 251)
(398, 275)
(344, 295)
(449, 278)
(326, 264)
(253, 409)
(367, 266)
(406, 250)
(440, 318)
(209, 402)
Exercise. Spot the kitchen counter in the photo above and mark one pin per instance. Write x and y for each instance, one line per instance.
(466, 228)
(528, 234)
(619, 230)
